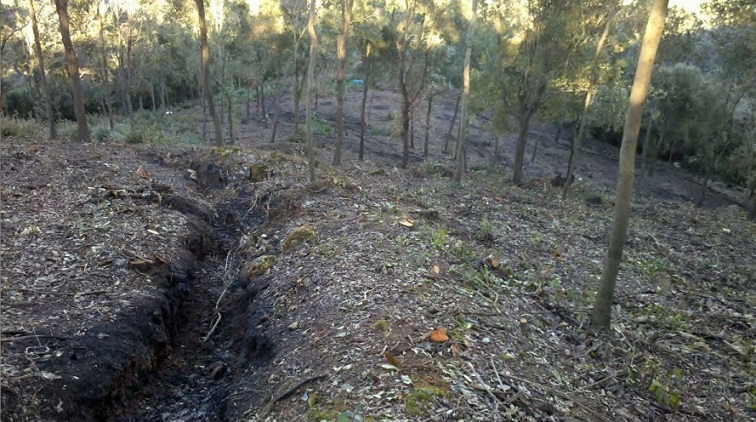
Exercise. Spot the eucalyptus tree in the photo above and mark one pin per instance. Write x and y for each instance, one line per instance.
(461, 154)
(61, 7)
(310, 86)
(419, 30)
(346, 7)
(294, 14)
(205, 53)
(368, 21)
(41, 71)
(535, 47)
(592, 79)
(601, 314)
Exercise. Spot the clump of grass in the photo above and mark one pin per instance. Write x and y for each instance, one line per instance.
(23, 128)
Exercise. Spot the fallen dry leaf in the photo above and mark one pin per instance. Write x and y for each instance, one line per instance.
(439, 336)
(455, 349)
(407, 223)
(391, 359)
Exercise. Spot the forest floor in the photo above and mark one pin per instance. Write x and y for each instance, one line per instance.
(179, 283)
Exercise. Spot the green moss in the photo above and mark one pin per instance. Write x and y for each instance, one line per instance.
(419, 399)
(299, 236)
(325, 411)
(380, 325)
(258, 266)
(223, 152)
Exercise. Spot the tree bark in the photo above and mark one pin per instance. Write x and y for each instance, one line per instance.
(522, 140)
(461, 151)
(427, 123)
(205, 55)
(365, 85)
(42, 73)
(646, 146)
(496, 150)
(575, 150)
(341, 47)
(310, 87)
(601, 315)
(61, 7)
(105, 71)
(454, 119)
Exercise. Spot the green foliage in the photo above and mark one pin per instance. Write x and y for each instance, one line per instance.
(666, 388)
(67, 130)
(26, 129)
(439, 239)
(321, 127)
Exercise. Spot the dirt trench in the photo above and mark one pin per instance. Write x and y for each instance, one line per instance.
(218, 332)
(169, 357)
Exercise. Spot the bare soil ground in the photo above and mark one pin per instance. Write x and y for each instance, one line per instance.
(128, 291)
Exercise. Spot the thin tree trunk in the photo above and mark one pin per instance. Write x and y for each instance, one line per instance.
(559, 132)
(42, 73)
(163, 93)
(230, 108)
(412, 128)
(153, 97)
(310, 87)
(575, 150)
(522, 140)
(127, 89)
(646, 146)
(365, 85)
(205, 51)
(247, 115)
(204, 116)
(601, 315)
(105, 71)
(427, 123)
(461, 150)
(535, 151)
(454, 119)
(341, 47)
(752, 211)
(61, 7)
(496, 150)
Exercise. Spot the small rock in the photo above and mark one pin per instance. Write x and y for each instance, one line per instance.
(293, 326)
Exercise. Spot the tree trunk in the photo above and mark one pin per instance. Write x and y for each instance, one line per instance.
(646, 146)
(427, 123)
(205, 52)
(461, 151)
(230, 111)
(405, 119)
(575, 150)
(105, 73)
(61, 6)
(601, 315)
(752, 211)
(496, 150)
(127, 73)
(153, 97)
(522, 140)
(412, 128)
(341, 47)
(42, 74)
(535, 151)
(310, 87)
(704, 186)
(454, 119)
(365, 85)
(204, 116)
(163, 93)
